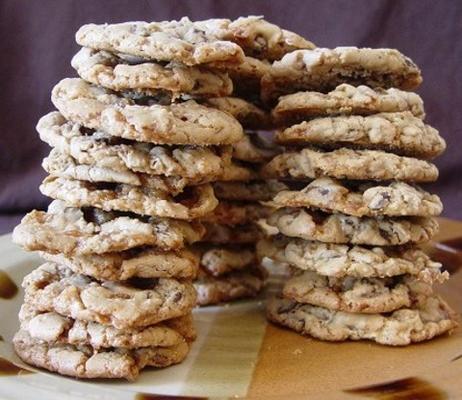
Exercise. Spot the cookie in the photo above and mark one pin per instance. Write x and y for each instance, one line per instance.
(355, 295)
(341, 261)
(392, 199)
(212, 41)
(226, 234)
(64, 166)
(431, 318)
(399, 133)
(184, 325)
(246, 77)
(86, 362)
(76, 231)
(221, 260)
(253, 148)
(180, 123)
(141, 262)
(52, 328)
(339, 228)
(248, 191)
(102, 150)
(249, 115)
(323, 69)
(106, 69)
(345, 100)
(193, 202)
(184, 41)
(227, 213)
(258, 38)
(232, 286)
(123, 305)
(349, 164)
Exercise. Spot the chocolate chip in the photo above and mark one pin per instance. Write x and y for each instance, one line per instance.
(380, 201)
(86, 131)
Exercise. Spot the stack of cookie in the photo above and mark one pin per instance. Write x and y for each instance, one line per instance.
(229, 268)
(136, 142)
(352, 234)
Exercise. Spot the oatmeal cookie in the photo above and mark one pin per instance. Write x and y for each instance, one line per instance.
(129, 304)
(106, 69)
(399, 133)
(180, 123)
(323, 69)
(235, 285)
(86, 362)
(349, 164)
(345, 100)
(82, 231)
(139, 262)
(51, 327)
(194, 202)
(368, 199)
(343, 260)
(431, 318)
(340, 228)
(355, 295)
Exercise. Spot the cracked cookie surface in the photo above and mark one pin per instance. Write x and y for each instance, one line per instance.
(345, 100)
(340, 228)
(431, 318)
(86, 362)
(76, 231)
(193, 202)
(355, 295)
(188, 42)
(367, 199)
(140, 262)
(323, 69)
(179, 123)
(349, 164)
(116, 73)
(342, 260)
(52, 327)
(399, 133)
(65, 167)
(129, 304)
(98, 149)
(213, 41)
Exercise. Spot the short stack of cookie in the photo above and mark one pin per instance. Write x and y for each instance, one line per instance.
(229, 269)
(352, 234)
(136, 142)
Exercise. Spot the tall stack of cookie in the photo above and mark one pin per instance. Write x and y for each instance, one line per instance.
(229, 268)
(352, 234)
(136, 142)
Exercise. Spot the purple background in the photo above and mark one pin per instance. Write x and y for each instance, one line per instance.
(37, 43)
